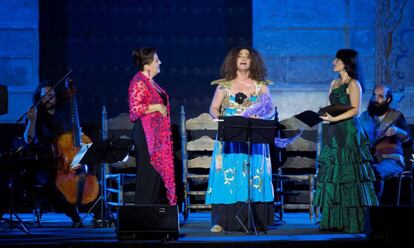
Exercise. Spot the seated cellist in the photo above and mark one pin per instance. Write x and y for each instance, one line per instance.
(44, 125)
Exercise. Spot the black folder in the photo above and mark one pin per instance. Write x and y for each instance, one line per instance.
(334, 109)
(312, 118)
(309, 117)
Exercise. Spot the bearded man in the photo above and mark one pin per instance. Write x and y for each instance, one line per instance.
(387, 131)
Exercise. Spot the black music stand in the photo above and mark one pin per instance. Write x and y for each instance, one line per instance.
(4, 100)
(106, 151)
(11, 211)
(248, 130)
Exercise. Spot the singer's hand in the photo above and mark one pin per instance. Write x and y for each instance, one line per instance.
(32, 114)
(162, 109)
(327, 117)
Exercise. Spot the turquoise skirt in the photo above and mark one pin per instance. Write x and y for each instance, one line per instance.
(228, 179)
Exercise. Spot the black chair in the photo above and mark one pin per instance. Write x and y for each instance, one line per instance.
(407, 174)
(398, 189)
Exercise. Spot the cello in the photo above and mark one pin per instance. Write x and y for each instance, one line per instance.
(76, 185)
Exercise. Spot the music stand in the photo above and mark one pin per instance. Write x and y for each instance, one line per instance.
(247, 130)
(11, 211)
(4, 100)
(106, 151)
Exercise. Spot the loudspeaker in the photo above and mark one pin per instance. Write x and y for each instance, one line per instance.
(390, 222)
(154, 222)
(4, 100)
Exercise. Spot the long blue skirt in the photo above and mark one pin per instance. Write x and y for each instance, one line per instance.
(228, 180)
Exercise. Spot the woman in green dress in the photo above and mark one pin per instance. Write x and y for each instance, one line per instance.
(344, 184)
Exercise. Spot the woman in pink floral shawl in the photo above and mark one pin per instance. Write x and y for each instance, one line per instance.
(149, 110)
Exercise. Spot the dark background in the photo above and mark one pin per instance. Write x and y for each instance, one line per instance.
(96, 39)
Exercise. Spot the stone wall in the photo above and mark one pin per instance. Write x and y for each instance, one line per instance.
(19, 53)
(395, 52)
(299, 39)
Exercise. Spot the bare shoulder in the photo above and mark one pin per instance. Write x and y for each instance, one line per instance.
(265, 89)
(354, 84)
(332, 85)
(354, 88)
(220, 88)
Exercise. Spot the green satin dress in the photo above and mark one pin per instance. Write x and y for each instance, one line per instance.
(344, 184)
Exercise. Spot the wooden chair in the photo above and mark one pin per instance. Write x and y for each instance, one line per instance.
(197, 142)
(120, 179)
(299, 169)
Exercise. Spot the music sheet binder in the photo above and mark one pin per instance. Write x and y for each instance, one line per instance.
(334, 109)
(309, 117)
(237, 129)
(312, 118)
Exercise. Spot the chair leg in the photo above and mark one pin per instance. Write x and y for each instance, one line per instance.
(411, 190)
(310, 213)
(37, 206)
(317, 212)
(311, 188)
(185, 212)
(37, 215)
(405, 174)
(399, 189)
(120, 191)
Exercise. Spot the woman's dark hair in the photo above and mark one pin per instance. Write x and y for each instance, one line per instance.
(350, 59)
(257, 69)
(143, 56)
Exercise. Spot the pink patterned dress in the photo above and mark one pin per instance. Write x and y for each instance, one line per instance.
(157, 129)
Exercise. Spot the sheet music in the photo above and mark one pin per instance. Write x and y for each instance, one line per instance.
(125, 159)
(78, 157)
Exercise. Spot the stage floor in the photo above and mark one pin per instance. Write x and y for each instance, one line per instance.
(55, 230)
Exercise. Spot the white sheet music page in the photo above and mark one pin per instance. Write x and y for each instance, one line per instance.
(78, 157)
(125, 159)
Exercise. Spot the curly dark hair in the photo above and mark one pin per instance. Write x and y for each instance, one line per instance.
(350, 59)
(257, 69)
(143, 56)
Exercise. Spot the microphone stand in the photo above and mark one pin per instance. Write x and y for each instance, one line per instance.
(40, 100)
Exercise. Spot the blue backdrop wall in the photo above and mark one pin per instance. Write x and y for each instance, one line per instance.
(41, 39)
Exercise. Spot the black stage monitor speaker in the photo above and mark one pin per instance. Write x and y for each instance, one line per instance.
(390, 223)
(4, 100)
(148, 222)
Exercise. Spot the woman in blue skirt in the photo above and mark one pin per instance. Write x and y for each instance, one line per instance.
(242, 92)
